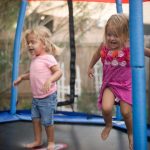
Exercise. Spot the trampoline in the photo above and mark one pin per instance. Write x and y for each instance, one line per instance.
(77, 137)
(74, 130)
(79, 131)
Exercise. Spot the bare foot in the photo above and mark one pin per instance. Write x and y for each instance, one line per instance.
(33, 145)
(105, 132)
(130, 137)
(51, 146)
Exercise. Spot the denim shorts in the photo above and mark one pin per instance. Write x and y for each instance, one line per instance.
(44, 109)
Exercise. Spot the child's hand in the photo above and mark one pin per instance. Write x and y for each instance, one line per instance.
(17, 81)
(91, 73)
(46, 86)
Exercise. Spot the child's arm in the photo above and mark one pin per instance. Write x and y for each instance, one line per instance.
(56, 75)
(20, 78)
(95, 58)
(147, 52)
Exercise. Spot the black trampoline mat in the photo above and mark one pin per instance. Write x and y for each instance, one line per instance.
(78, 137)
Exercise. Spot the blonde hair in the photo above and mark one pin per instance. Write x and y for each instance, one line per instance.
(120, 24)
(42, 33)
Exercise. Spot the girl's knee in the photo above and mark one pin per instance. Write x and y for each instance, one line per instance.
(126, 109)
(106, 110)
(126, 114)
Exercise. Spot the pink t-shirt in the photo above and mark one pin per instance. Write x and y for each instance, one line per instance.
(39, 73)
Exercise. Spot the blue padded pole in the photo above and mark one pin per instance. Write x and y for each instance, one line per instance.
(136, 33)
(119, 10)
(138, 75)
(139, 109)
(16, 55)
(119, 6)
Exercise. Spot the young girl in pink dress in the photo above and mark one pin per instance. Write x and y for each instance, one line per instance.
(117, 81)
(43, 74)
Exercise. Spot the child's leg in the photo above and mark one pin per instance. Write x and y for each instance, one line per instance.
(50, 137)
(107, 106)
(126, 111)
(47, 118)
(37, 134)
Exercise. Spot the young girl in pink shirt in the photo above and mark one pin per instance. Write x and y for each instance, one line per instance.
(43, 74)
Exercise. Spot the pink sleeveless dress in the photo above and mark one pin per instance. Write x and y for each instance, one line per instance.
(116, 75)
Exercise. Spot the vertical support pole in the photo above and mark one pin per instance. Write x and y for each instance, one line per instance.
(119, 6)
(138, 75)
(16, 54)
